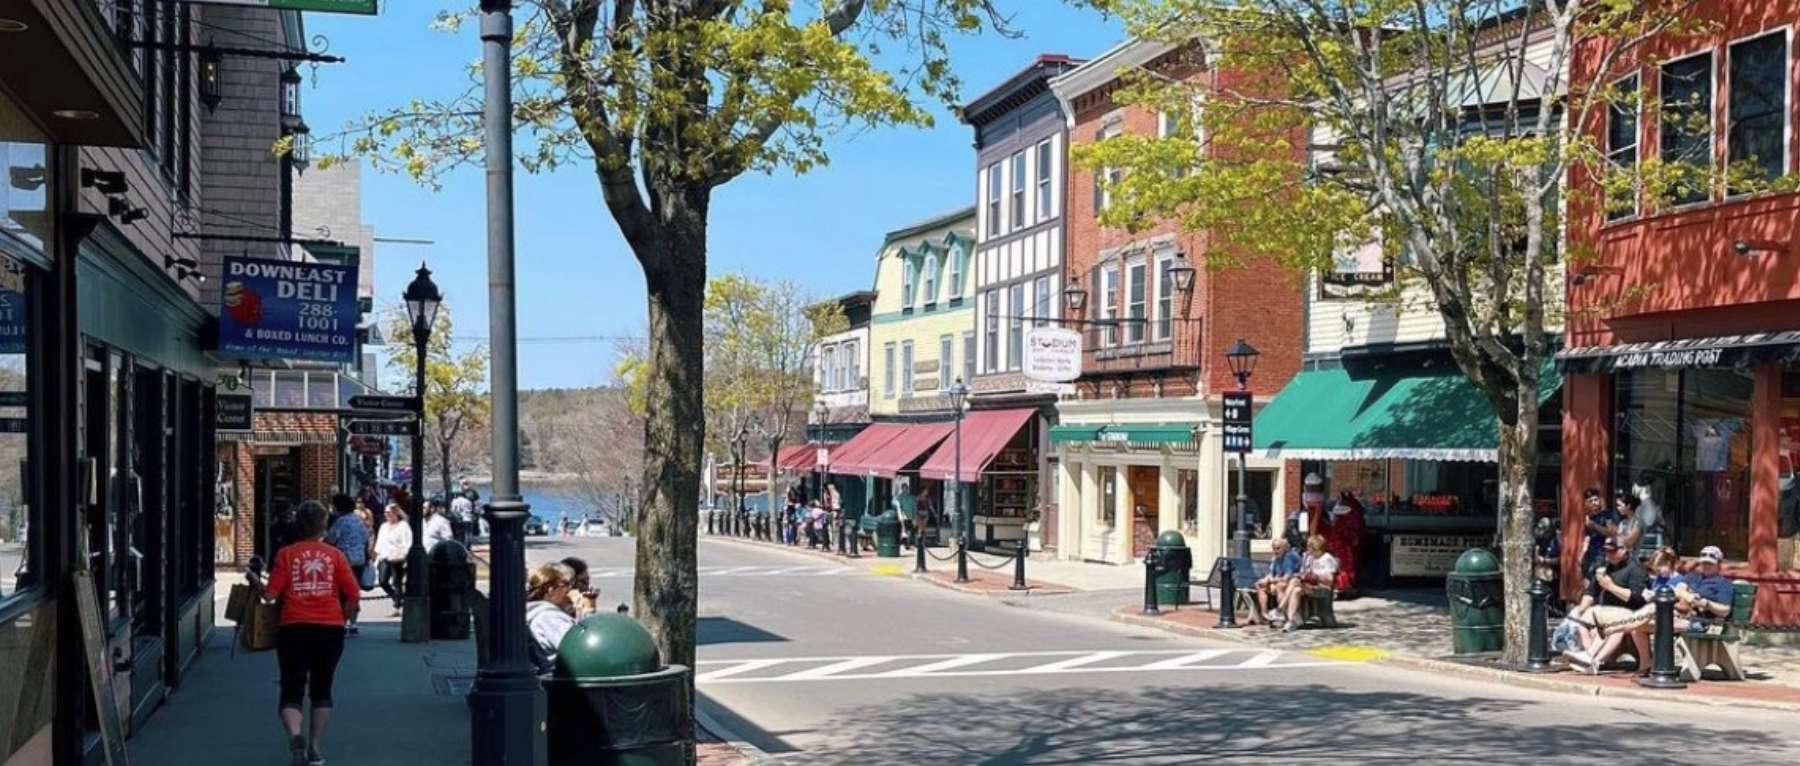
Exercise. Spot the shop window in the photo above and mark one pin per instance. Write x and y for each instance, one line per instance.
(1259, 494)
(1756, 127)
(1109, 496)
(1788, 528)
(1189, 481)
(1684, 448)
(20, 514)
(262, 388)
(1686, 126)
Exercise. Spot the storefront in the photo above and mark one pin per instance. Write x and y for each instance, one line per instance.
(1415, 444)
(998, 455)
(885, 458)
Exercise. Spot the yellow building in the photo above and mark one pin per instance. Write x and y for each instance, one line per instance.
(922, 332)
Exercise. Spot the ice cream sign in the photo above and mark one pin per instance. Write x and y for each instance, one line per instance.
(287, 310)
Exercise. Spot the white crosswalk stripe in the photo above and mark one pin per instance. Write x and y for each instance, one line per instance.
(759, 571)
(801, 669)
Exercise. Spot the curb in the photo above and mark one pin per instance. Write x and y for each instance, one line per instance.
(1035, 590)
(817, 554)
(1045, 589)
(1492, 675)
(751, 753)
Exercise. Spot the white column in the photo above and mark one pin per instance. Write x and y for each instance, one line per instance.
(1209, 538)
(1068, 508)
(1168, 495)
(1124, 516)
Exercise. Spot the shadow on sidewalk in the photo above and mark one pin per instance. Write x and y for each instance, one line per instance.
(394, 704)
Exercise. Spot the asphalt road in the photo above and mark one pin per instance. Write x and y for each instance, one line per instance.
(820, 666)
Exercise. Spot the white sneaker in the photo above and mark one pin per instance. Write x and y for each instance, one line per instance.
(1579, 657)
(1272, 615)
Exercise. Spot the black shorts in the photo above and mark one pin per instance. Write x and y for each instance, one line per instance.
(308, 656)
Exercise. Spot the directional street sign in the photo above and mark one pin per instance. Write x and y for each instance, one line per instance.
(384, 427)
(1237, 406)
(385, 403)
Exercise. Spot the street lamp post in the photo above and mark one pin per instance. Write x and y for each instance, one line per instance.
(1241, 357)
(506, 706)
(824, 413)
(737, 483)
(959, 392)
(422, 302)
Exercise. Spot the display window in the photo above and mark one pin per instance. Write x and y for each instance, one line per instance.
(1788, 526)
(1684, 448)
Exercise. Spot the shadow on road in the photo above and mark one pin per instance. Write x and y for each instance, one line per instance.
(1234, 724)
(724, 630)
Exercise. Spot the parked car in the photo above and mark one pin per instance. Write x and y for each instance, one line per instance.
(536, 525)
(593, 527)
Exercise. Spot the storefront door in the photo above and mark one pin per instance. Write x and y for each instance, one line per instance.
(277, 491)
(1143, 482)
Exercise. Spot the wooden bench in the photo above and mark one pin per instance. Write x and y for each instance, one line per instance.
(1319, 605)
(1718, 647)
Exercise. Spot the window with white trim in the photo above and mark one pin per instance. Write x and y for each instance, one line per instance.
(906, 280)
(931, 269)
(1166, 128)
(992, 299)
(1015, 331)
(1109, 305)
(1105, 177)
(968, 360)
(887, 373)
(852, 350)
(1622, 146)
(1757, 114)
(1165, 296)
(957, 256)
(906, 368)
(1686, 124)
(1018, 190)
(994, 183)
(1046, 195)
(946, 360)
(1136, 288)
(1041, 286)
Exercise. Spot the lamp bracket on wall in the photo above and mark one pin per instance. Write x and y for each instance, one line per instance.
(281, 54)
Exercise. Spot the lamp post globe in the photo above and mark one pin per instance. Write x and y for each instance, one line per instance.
(422, 301)
(1241, 358)
(1181, 273)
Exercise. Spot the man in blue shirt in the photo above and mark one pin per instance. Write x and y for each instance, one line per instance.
(1284, 567)
(1704, 594)
(1599, 526)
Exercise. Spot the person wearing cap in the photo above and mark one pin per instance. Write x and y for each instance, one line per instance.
(1704, 593)
(1611, 608)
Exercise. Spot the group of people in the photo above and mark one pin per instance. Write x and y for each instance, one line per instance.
(557, 595)
(1340, 524)
(1617, 604)
(810, 519)
(1291, 578)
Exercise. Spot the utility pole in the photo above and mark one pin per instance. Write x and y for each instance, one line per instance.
(506, 707)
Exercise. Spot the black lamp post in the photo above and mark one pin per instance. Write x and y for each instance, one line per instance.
(958, 393)
(737, 482)
(824, 414)
(422, 302)
(1241, 357)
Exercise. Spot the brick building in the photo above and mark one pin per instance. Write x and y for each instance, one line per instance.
(1139, 443)
(1683, 347)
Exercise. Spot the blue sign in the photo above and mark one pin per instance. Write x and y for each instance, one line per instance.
(287, 310)
(12, 322)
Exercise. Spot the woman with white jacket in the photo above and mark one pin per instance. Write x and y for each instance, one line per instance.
(391, 545)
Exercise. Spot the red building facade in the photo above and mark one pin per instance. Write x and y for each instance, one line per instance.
(1683, 345)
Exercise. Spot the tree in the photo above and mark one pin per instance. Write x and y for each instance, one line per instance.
(669, 100)
(1426, 136)
(456, 399)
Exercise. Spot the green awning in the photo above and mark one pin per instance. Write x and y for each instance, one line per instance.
(1414, 413)
(1128, 433)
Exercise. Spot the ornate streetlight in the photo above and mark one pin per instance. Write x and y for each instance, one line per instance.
(1241, 358)
(959, 393)
(422, 302)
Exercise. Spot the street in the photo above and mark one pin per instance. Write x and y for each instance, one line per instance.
(818, 664)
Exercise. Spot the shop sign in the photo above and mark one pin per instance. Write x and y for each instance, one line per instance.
(12, 319)
(1429, 555)
(1045, 387)
(359, 7)
(385, 403)
(1052, 354)
(1234, 429)
(233, 413)
(273, 309)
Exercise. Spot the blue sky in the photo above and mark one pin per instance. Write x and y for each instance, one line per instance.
(575, 275)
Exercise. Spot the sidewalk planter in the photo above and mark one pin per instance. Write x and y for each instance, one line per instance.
(1172, 582)
(1477, 603)
(612, 702)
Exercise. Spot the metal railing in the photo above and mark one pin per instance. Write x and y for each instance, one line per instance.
(1130, 347)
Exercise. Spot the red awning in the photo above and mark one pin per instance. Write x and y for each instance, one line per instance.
(848, 459)
(795, 457)
(910, 445)
(984, 434)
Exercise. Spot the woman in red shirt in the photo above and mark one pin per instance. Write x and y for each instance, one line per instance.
(318, 594)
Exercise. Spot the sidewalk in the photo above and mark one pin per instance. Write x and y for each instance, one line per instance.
(1403, 628)
(992, 574)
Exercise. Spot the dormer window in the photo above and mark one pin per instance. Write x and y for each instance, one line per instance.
(956, 270)
(931, 271)
(906, 281)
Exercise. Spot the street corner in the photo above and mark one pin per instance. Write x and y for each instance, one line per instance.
(1349, 653)
(888, 570)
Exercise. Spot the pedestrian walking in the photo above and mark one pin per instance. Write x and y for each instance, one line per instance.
(347, 533)
(391, 545)
(318, 592)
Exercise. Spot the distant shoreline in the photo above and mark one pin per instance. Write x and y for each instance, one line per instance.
(532, 477)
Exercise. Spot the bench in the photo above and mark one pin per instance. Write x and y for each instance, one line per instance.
(1319, 605)
(1718, 646)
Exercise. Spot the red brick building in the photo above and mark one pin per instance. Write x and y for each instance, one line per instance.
(1683, 348)
(1139, 445)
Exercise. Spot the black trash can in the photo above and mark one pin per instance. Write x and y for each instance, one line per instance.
(611, 702)
(450, 576)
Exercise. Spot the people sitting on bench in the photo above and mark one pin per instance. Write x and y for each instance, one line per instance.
(1702, 597)
(1318, 577)
(1610, 610)
(1284, 567)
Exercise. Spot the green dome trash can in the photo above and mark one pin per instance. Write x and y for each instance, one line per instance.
(611, 701)
(1172, 581)
(887, 535)
(1477, 603)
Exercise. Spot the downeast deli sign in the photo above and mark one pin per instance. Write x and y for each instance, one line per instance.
(272, 309)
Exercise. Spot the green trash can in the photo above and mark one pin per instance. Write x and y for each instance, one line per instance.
(1172, 582)
(1477, 603)
(887, 535)
(612, 702)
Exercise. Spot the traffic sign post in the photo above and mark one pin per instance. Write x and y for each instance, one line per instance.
(384, 427)
(376, 403)
(1236, 418)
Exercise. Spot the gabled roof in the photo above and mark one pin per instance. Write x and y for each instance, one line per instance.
(938, 221)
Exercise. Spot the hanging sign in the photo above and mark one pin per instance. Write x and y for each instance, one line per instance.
(287, 310)
(384, 427)
(1052, 354)
(233, 413)
(385, 403)
(360, 7)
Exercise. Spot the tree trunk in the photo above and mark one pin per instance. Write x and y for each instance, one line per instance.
(444, 470)
(1518, 468)
(665, 591)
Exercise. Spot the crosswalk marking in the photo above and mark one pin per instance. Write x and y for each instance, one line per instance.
(752, 571)
(802, 669)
